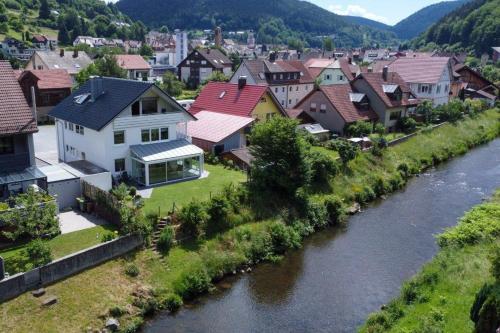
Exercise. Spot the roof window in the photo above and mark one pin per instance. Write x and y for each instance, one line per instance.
(80, 99)
(222, 94)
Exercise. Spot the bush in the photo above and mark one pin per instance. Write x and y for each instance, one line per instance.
(116, 311)
(192, 282)
(334, 210)
(347, 151)
(283, 237)
(132, 270)
(261, 247)
(410, 292)
(38, 253)
(166, 240)
(359, 129)
(218, 211)
(173, 302)
(323, 167)
(407, 125)
(193, 218)
(379, 129)
(108, 236)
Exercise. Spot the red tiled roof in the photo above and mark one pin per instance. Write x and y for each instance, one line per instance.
(420, 69)
(338, 95)
(50, 78)
(376, 82)
(132, 61)
(224, 97)
(15, 114)
(39, 38)
(215, 127)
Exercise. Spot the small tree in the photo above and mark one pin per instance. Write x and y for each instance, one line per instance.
(38, 253)
(166, 240)
(280, 156)
(171, 85)
(34, 218)
(145, 50)
(108, 66)
(347, 151)
(328, 44)
(193, 218)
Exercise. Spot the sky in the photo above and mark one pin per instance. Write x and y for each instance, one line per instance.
(385, 11)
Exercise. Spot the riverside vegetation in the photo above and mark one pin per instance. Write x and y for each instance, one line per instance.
(235, 229)
(458, 291)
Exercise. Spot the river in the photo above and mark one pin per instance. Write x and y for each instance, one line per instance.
(340, 276)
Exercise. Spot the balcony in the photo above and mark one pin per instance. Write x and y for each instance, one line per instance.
(149, 120)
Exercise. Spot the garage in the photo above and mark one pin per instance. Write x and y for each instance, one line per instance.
(63, 185)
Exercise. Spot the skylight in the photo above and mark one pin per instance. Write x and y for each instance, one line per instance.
(222, 94)
(80, 99)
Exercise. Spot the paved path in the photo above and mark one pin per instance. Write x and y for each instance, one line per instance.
(75, 220)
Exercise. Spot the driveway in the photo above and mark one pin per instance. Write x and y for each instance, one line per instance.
(46, 144)
(74, 220)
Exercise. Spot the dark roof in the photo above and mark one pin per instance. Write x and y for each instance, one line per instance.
(258, 68)
(215, 57)
(377, 83)
(15, 115)
(118, 94)
(339, 96)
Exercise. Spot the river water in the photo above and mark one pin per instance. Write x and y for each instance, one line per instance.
(339, 277)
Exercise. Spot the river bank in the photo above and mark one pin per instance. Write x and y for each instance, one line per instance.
(198, 264)
(440, 297)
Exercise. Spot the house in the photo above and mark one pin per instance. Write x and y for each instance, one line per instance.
(336, 106)
(17, 124)
(238, 99)
(16, 48)
(219, 132)
(496, 54)
(137, 68)
(468, 78)
(127, 126)
(288, 80)
(388, 94)
(72, 62)
(372, 55)
(200, 64)
(428, 77)
(43, 42)
(132, 46)
(337, 71)
(51, 87)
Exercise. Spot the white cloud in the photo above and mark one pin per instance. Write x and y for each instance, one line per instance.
(356, 10)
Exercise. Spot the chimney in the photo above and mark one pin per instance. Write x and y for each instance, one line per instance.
(33, 103)
(242, 82)
(61, 53)
(349, 60)
(272, 56)
(96, 89)
(385, 73)
(75, 54)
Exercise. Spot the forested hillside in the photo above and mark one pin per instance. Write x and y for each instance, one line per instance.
(276, 21)
(66, 19)
(474, 26)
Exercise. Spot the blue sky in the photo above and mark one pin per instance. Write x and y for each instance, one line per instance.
(386, 11)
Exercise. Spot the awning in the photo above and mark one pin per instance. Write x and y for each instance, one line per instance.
(31, 173)
(165, 150)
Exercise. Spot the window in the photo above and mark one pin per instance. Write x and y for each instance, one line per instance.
(283, 89)
(438, 89)
(276, 90)
(341, 77)
(289, 101)
(322, 108)
(282, 102)
(203, 62)
(119, 137)
(79, 129)
(313, 107)
(164, 133)
(297, 88)
(70, 126)
(149, 105)
(136, 109)
(327, 76)
(281, 76)
(269, 115)
(83, 155)
(446, 87)
(6, 145)
(120, 165)
(395, 115)
(155, 134)
(145, 135)
(307, 87)
(291, 88)
(66, 125)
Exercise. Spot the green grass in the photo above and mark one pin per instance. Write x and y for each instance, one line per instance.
(332, 153)
(164, 197)
(30, 24)
(63, 245)
(458, 273)
(107, 285)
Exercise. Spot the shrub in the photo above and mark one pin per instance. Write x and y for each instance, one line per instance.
(134, 326)
(379, 129)
(359, 129)
(166, 240)
(192, 282)
(317, 214)
(218, 210)
(38, 253)
(283, 237)
(132, 191)
(108, 236)
(323, 167)
(380, 187)
(404, 170)
(347, 151)
(407, 125)
(334, 210)
(410, 292)
(116, 311)
(379, 319)
(193, 218)
(261, 247)
(132, 270)
(173, 302)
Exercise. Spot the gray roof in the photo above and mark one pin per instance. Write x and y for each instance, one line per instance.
(165, 150)
(73, 65)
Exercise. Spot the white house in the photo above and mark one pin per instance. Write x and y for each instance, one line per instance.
(288, 80)
(127, 126)
(428, 77)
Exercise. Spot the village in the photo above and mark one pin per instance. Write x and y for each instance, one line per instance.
(108, 145)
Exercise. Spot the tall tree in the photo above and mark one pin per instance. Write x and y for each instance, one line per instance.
(63, 35)
(44, 11)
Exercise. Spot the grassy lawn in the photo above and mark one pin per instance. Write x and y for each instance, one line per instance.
(63, 245)
(332, 153)
(182, 193)
(388, 136)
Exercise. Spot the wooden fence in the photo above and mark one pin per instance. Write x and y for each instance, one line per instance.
(106, 205)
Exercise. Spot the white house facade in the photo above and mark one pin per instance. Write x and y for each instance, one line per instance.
(127, 126)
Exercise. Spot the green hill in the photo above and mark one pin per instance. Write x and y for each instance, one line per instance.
(66, 19)
(275, 21)
(474, 26)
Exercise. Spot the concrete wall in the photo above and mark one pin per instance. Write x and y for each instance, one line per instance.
(67, 266)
